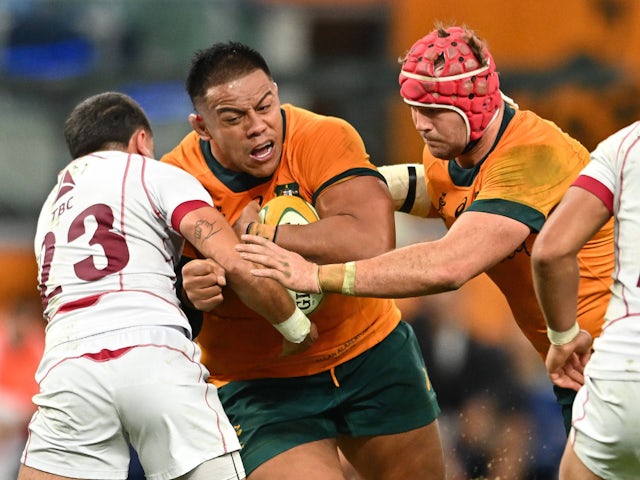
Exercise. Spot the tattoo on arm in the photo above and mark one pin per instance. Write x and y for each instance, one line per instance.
(204, 229)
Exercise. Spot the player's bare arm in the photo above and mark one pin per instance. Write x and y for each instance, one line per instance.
(554, 258)
(556, 279)
(208, 280)
(204, 229)
(209, 232)
(474, 244)
(356, 221)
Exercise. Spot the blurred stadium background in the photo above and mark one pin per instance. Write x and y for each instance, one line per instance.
(574, 62)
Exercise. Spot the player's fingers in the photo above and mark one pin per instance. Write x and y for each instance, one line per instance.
(206, 295)
(574, 375)
(216, 268)
(253, 239)
(216, 299)
(573, 363)
(200, 267)
(201, 283)
(260, 259)
(267, 253)
(563, 381)
(267, 273)
(206, 305)
(584, 357)
(250, 248)
(212, 291)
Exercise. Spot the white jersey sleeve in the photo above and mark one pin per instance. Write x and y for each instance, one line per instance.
(109, 227)
(615, 165)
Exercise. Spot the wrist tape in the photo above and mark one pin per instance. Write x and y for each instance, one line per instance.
(296, 327)
(262, 230)
(337, 278)
(349, 281)
(562, 338)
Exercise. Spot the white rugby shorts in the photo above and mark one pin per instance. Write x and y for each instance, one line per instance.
(151, 393)
(606, 422)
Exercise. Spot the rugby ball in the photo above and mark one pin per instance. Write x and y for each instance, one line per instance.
(293, 210)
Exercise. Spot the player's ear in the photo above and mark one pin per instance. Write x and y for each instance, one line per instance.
(197, 123)
(142, 143)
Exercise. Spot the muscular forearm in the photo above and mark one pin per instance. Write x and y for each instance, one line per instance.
(356, 221)
(556, 284)
(337, 239)
(263, 295)
(554, 262)
(270, 299)
(215, 239)
(473, 245)
(406, 272)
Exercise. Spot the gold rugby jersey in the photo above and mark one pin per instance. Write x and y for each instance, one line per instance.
(239, 344)
(523, 177)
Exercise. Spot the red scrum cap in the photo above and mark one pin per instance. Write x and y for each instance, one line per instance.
(442, 71)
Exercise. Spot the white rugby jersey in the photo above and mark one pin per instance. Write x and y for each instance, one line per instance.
(107, 241)
(613, 175)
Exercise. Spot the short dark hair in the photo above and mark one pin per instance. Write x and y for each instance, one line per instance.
(221, 63)
(103, 121)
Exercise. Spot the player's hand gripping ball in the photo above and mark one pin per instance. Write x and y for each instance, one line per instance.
(294, 210)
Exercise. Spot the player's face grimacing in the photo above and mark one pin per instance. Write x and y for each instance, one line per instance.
(443, 131)
(243, 119)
